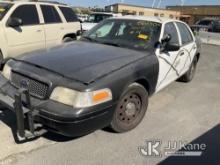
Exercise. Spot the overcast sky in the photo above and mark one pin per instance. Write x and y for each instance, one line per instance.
(164, 3)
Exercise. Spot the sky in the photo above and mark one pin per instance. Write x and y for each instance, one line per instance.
(101, 3)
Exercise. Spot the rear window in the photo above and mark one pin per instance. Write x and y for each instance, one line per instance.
(69, 14)
(50, 14)
(4, 7)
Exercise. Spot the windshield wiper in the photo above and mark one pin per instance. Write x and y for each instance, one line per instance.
(105, 43)
(111, 44)
(89, 39)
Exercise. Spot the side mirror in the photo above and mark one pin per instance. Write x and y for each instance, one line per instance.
(14, 22)
(80, 20)
(166, 38)
(167, 46)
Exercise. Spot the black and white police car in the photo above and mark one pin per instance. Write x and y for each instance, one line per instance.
(105, 79)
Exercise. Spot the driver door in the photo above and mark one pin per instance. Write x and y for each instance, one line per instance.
(27, 37)
(168, 61)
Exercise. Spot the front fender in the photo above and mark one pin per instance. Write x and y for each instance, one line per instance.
(146, 68)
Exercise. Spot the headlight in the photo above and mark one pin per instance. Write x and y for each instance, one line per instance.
(7, 71)
(80, 99)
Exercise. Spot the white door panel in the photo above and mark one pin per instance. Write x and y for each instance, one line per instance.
(168, 68)
(71, 24)
(70, 28)
(174, 64)
(190, 51)
(53, 25)
(24, 39)
(27, 37)
(168, 61)
(53, 34)
(188, 46)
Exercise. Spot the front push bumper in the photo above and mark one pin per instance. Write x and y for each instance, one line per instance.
(32, 121)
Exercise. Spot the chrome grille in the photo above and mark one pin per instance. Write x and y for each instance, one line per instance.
(35, 87)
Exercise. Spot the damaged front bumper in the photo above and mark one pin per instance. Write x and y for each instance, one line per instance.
(36, 117)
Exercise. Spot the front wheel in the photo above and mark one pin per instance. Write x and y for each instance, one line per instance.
(131, 108)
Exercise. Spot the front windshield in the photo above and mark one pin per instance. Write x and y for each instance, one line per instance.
(96, 18)
(4, 7)
(133, 34)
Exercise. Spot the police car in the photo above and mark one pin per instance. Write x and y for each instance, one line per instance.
(105, 79)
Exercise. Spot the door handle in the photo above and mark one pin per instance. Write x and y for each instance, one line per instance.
(182, 54)
(38, 31)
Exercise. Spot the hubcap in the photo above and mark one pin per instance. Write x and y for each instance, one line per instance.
(129, 108)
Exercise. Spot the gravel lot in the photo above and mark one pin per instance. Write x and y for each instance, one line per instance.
(180, 112)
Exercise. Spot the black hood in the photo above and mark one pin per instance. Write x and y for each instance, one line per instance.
(83, 61)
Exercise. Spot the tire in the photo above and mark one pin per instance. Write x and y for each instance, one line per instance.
(68, 39)
(1, 61)
(190, 74)
(131, 109)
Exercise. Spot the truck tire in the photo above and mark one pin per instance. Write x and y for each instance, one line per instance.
(131, 109)
(68, 39)
(1, 60)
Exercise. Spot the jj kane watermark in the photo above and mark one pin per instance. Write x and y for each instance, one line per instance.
(155, 148)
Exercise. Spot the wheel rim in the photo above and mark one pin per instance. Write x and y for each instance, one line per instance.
(129, 109)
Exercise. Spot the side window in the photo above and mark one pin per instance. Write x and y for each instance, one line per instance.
(121, 29)
(205, 22)
(50, 14)
(186, 36)
(69, 14)
(171, 29)
(27, 13)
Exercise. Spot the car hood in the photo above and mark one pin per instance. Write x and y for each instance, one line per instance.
(87, 26)
(83, 61)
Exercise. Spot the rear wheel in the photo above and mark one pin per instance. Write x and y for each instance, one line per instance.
(1, 60)
(189, 75)
(131, 108)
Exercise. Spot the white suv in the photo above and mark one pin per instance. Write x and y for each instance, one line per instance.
(26, 26)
